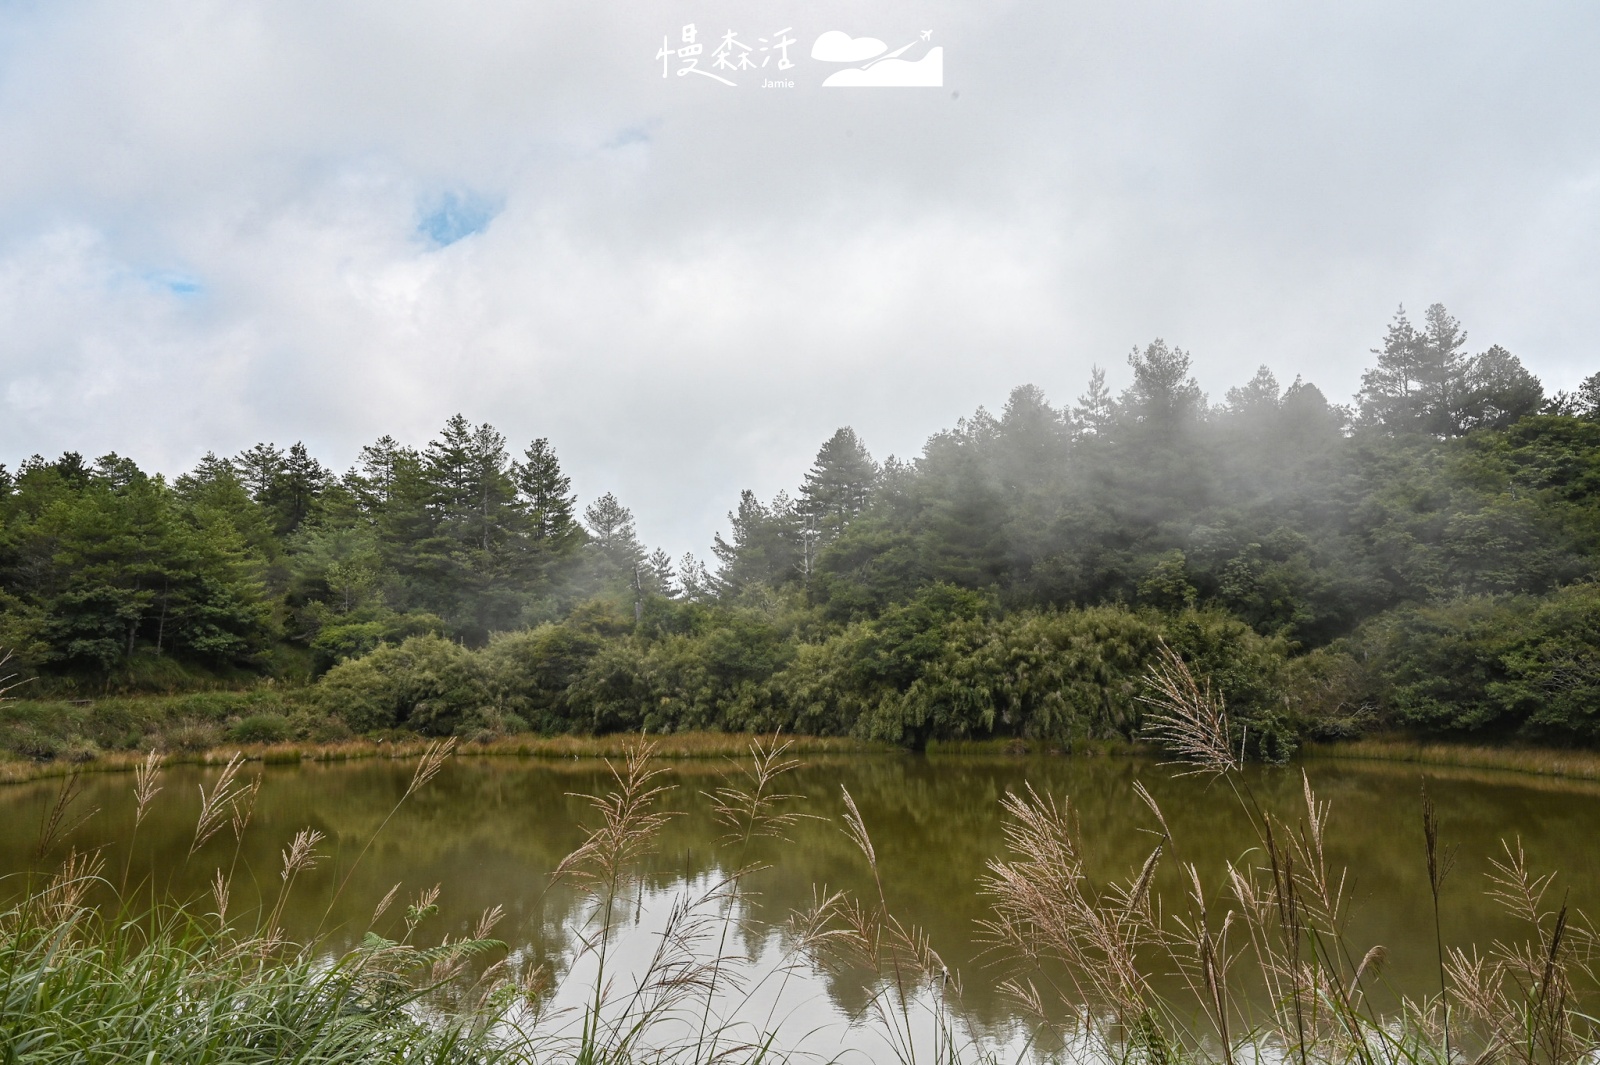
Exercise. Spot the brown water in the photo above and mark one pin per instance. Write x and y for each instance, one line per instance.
(490, 831)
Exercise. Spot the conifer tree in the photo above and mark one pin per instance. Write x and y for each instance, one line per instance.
(1588, 398)
(613, 542)
(1163, 394)
(380, 464)
(295, 488)
(259, 468)
(1420, 382)
(547, 495)
(766, 545)
(657, 575)
(698, 585)
(838, 484)
(1095, 409)
(471, 477)
(1500, 390)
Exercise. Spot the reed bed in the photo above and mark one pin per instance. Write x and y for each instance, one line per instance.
(1257, 967)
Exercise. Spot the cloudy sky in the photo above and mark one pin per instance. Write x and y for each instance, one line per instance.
(279, 220)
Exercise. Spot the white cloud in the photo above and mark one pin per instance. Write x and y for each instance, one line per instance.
(209, 220)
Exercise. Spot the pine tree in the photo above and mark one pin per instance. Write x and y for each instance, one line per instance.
(1500, 390)
(1588, 398)
(259, 468)
(657, 577)
(295, 488)
(698, 585)
(212, 469)
(612, 539)
(1095, 409)
(767, 543)
(380, 469)
(1256, 397)
(547, 494)
(471, 477)
(838, 484)
(1163, 395)
(1420, 382)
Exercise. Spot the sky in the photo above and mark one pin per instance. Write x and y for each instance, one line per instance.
(287, 220)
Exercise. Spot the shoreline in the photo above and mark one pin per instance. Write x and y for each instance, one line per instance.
(1529, 761)
(684, 745)
(1532, 761)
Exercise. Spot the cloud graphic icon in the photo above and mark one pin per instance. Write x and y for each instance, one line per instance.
(925, 73)
(836, 46)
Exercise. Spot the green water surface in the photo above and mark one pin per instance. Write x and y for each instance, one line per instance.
(489, 831)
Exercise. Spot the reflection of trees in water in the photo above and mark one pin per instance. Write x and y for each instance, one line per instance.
(491, 831)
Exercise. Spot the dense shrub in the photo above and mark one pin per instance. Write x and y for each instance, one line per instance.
(942, 669)
(948, 664)
(427, 684)
(1510, 665)
(260, 728)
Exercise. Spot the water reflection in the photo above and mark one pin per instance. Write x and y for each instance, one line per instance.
(491, 831)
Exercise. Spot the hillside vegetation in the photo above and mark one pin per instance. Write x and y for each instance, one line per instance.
(1423, 558)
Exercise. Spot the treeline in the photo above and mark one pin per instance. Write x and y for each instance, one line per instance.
(1419, 558)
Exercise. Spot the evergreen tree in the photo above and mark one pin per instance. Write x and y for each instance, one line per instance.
(471, 476)
(547, 494)
(767, 544)
(1163, 395)
(380, 466)
(1588, 398)
(1500, 391)
(294, 490)
(838, 485)
(613, 543)
(657, 577)
(698, 585)
(210, 470)
(259, 468)
(1256, 398)
(1095, 409)
(1420, 382)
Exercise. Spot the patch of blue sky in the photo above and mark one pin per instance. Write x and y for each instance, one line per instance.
(174, 281)
(640, 134)
(455, 216)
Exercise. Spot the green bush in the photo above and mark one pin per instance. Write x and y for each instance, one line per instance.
(427, 684)
(260, 728)
(1509, 665)
(34, 744)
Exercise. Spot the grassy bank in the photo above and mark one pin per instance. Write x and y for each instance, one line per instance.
(1544, 761)
(680, 745)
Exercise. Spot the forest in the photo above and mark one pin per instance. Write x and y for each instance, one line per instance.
(1422, 559)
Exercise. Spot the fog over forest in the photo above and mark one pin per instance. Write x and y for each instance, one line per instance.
(226, 223)
(1413, 558)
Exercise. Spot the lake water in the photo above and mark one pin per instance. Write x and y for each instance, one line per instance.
(490, 831)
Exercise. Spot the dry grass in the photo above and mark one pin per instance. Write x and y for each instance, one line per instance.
(1576, 765)
(707, 745)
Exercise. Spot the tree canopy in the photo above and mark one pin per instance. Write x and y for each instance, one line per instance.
(1453, 508)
